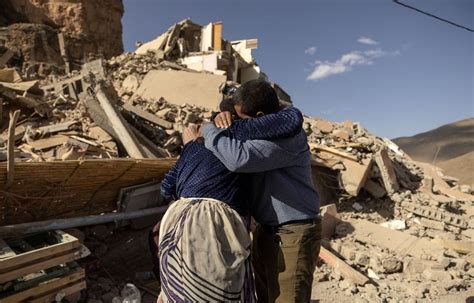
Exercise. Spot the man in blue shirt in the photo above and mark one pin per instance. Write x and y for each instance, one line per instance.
(283, 200)
(200, 179)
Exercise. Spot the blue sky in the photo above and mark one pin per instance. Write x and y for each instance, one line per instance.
(392, 69)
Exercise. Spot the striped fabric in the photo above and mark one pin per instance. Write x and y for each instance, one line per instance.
(204, 253)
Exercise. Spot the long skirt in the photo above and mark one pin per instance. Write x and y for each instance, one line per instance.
(204, 253)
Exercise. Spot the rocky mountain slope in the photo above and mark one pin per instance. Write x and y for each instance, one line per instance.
(450, 147)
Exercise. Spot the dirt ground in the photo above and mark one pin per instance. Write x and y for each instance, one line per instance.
(124, 257)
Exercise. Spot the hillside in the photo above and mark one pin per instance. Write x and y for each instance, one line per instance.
(450, 147)
(461, 167)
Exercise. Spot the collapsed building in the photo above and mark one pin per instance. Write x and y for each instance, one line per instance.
(103, 133)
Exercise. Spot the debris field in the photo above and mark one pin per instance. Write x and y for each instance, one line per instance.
(96, 136)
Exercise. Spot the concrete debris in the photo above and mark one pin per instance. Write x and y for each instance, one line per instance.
(395, 224)
(180, 87)
(437, 214)
(384, 164)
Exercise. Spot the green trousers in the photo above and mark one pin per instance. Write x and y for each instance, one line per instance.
(284, 259)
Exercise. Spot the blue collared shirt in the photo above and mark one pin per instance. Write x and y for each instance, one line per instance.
(281, 187)
(199, 173)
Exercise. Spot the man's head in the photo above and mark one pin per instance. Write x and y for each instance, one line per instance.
(255, 98)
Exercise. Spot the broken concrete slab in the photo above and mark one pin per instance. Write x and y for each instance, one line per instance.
(437, 214)
(354, 176)
(437, 274)
(440, 185)
(127, 137)
(463, 247)
(385, 166)
(402, 243)
(430, 223)
(154, 45)
(330, 218)
(324, 126)
(200, 63)
(179, 87)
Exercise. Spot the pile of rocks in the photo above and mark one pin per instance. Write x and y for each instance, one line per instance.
(403, 224)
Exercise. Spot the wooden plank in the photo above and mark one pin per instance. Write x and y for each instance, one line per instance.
(11, 148)
(345, 269)
(43, 264)
(67, 243)
(332, 151)
(217, 36)
(147, 116)
(46, 287)
(5, 251)
(58, 86)
(50, 142)
(60, 293)
(54, 128)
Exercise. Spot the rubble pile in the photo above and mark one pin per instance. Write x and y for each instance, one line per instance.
(404, 224)
(394, 229)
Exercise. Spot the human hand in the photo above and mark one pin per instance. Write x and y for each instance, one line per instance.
(190, 133)
(223, 119)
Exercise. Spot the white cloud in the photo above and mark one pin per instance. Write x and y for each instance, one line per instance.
(310, 50)
(367, 40)
(346, 63)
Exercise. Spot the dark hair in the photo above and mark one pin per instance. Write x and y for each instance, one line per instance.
(256, 96)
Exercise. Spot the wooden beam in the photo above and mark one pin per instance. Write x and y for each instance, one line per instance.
(333, 151)
(66, 243)
(147, 116)
(54, 128)
(45, 287)
(46, 143)
(345, 269)
(64, 292)
(11, 148)
(44, 263)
